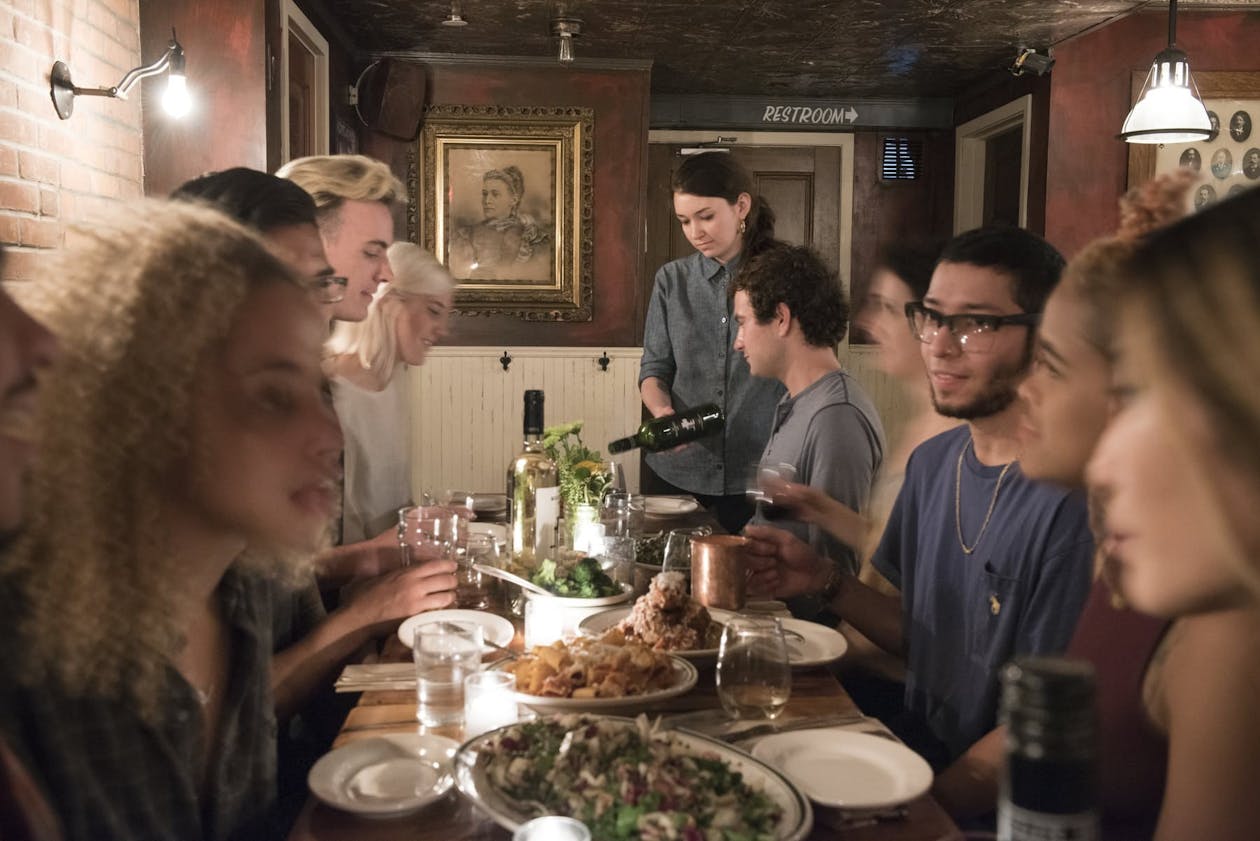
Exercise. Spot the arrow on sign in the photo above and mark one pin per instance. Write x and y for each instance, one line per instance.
(850, 115)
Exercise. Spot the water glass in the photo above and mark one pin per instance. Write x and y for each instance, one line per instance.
(472, 588)
(616, 475)
(754, 677)
(489, 702)
(614, 513)
(415, 537)
(445, 654)
(616, 556)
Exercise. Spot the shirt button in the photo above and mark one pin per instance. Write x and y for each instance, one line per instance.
(719, 392)
(723, 319)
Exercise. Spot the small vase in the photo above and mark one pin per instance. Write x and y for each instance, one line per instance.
(585, 529)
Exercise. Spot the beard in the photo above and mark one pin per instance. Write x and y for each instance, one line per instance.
(997, 395)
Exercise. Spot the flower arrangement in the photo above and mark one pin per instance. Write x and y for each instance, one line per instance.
(583, 478)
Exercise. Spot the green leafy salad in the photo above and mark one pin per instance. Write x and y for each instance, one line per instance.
(585, 580)
(626, 781)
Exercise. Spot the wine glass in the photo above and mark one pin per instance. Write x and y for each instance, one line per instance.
(769, 477)
(616, 475)
(677, 556)
(754, 677)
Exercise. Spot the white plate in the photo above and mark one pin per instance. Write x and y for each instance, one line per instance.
(597, 623)
(798, 815)
(665, 506)
(494, 629)
(497, 531)
(385, 776)
(685, 676)
(847, 770)
(821, 645)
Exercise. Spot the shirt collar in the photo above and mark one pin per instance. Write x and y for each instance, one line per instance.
(712, 267)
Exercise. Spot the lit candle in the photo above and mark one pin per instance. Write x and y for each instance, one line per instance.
(489, 702)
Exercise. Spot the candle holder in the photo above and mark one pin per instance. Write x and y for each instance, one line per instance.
(489, 702)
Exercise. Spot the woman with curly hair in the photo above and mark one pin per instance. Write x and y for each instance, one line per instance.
(1178, 475)
(186, 441)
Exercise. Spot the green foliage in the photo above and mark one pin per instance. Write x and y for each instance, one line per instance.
(583, 479)
(586, 580)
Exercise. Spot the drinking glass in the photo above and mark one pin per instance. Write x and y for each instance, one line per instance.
(460, 502)
(616, 556)
(445, 653)
(761, 488)
(616, 475)
(417, 538)
(754, 678)
(473, 588)
(678, 549)
(614, 512)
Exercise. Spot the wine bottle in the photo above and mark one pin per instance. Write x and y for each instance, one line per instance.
(671, 430)
(533, 490)
(1049, 785)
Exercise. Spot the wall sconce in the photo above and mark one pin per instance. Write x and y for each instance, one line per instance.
(1169, 109)
(566, 29)
(175, 100)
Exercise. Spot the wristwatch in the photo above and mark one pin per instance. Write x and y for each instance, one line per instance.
(835, 580)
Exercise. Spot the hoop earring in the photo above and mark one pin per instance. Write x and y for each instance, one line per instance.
(743, 226)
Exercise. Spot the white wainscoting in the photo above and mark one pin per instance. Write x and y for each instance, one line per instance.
(466, 409)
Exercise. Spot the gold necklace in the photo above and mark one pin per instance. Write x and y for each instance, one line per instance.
(958, 500)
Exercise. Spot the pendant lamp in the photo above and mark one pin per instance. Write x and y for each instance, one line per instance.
(1169, 109)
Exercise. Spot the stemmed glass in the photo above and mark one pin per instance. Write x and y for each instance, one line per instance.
(754, 676)
(769, 477)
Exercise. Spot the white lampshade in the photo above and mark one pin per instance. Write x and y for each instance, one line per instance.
(1169, 109)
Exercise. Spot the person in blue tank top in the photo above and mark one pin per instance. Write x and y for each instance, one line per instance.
(989, 564)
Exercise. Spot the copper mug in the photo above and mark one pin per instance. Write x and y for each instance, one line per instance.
(719, 576)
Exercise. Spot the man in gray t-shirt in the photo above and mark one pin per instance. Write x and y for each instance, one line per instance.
(791, 312)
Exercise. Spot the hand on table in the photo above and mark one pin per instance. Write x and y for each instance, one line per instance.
(780, 564)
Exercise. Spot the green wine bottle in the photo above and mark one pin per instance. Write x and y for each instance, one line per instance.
(670, 431)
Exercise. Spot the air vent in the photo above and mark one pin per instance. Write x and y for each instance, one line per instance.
(902, 159)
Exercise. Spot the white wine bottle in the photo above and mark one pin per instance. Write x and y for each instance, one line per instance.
(533, 490)
(671, 430)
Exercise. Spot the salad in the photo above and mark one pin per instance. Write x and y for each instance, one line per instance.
(626, 781)
(585, 580)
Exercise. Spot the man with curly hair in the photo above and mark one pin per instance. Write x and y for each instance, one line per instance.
(792, 312)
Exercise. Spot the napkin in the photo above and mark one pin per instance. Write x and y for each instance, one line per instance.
(362, 677)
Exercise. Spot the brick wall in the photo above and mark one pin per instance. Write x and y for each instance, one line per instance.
(53, 172)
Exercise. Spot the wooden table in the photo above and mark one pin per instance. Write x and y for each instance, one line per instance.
(815, 692)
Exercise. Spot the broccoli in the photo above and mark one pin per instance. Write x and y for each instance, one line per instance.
(585, 580)
(545, 575)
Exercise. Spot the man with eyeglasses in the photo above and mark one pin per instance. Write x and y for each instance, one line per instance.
(990, 565)
(279, 210)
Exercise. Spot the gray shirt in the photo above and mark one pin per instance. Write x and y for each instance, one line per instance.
(687, 344)
(830, 431)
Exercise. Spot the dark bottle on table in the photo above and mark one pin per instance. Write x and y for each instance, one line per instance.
(670, 431)
(1049, 785)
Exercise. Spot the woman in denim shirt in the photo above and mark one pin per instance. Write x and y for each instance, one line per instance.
(688, 358)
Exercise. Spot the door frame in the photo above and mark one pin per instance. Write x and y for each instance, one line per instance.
(786, 138)
(294, 21)
(971, 141)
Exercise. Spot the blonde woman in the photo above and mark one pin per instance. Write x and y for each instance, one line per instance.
(186, 441)
(368, 361)
(1178, 471)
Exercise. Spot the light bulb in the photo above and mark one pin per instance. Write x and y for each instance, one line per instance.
(176, 100)
(566, 48)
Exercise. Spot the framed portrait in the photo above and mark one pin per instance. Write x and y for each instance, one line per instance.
(1228, 161)
(502, 197)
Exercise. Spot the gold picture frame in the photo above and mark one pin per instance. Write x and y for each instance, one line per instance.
(504, 203)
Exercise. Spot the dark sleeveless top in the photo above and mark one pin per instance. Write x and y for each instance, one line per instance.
(1133, 755)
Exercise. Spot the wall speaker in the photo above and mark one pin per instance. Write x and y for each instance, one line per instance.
(390, 97)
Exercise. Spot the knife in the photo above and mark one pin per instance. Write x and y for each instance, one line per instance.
(770, 728)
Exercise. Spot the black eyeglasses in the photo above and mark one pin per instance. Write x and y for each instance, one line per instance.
(975, 332)
(329, 289)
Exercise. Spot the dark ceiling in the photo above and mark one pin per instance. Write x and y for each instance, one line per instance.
(809, 48)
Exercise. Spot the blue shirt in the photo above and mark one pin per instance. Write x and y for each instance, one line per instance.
(964, 616)
(688, 343)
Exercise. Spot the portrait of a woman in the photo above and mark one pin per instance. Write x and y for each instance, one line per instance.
(506, 243)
